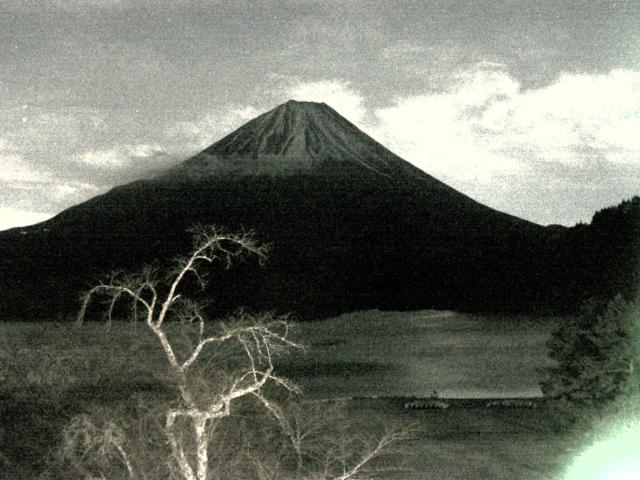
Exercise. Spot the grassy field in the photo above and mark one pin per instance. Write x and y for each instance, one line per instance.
(51, 372)
(414, 353)
(472, 441)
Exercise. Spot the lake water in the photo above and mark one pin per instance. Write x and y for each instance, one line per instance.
(455, 355)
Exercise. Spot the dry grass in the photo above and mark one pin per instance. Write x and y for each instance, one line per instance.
(88, 402)
(55, 375)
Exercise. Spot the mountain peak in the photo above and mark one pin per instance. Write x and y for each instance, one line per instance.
(302, 103)
(291, 129)
(298, 137)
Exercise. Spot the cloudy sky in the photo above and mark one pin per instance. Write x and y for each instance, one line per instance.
(532, 107)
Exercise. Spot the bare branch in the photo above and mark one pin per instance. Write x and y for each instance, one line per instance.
(382, 445)
(264, 334)
(253, 387)
(112, 290)
(211, 244)
(112, 304)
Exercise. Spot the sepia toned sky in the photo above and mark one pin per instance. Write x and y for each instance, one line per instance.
(531, 107)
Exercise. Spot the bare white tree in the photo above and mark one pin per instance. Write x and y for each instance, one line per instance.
(258, 336)
(160, 302)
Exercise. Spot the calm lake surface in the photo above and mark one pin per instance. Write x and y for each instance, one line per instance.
(455, 355)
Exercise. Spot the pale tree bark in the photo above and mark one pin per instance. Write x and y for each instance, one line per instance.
(258, 337)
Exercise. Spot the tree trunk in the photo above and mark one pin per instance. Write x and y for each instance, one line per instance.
(200, 425)
(176, 448)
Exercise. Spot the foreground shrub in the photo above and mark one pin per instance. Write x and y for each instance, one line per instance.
(317, 441)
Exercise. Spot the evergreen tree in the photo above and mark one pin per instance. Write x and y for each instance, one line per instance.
(596, 353)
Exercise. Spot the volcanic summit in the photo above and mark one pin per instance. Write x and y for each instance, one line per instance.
(299, 138)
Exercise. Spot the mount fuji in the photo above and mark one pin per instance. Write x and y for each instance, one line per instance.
(351, 225)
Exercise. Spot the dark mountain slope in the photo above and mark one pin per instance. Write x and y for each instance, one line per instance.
(351, 224)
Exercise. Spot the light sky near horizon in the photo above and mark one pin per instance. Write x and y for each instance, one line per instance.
(531, 107)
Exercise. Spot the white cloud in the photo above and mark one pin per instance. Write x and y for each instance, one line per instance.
(73, 191)
(103, 158)
(402, 50)
(486, 126)
(36, 129)
(13, 217)
(490, 65)
(198, 134)
(119, 157)
(576, 119)
(14, 169)
(553, 154)
(337, 94)
(441, 133)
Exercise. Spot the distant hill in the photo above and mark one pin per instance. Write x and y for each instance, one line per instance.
(352, 226)
(600, 259)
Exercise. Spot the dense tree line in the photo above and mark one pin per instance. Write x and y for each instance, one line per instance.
(598, 260)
